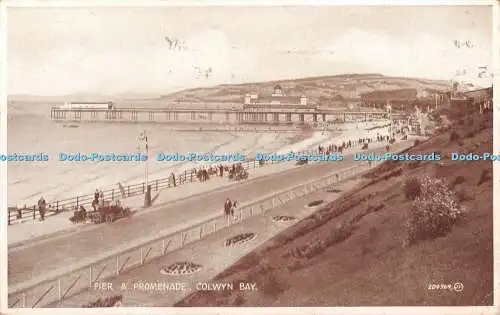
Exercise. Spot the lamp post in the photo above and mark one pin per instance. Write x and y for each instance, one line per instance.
(144, 137)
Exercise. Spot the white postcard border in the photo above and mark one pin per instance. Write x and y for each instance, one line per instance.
(6, 4)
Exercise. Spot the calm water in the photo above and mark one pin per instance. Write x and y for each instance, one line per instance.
(31, 131)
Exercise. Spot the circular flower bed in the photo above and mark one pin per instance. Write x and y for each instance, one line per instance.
(314, 203)
(180, 269)
(239, 239)
(284, 218)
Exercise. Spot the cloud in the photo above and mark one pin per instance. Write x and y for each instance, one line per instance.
(424, 53)
(139, 69)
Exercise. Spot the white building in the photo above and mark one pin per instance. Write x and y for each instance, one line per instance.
(278, 99)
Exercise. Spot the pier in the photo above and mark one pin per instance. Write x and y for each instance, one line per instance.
(206, 115)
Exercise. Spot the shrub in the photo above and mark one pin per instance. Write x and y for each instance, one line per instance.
(412, 188)
(416, 142)
(340, 234)
(238, 300)
(414, 164)
(457, 181)
(484, 177)
(433, 212)
(107, 302)
(454, 136)
(462, 195)
(470, 134)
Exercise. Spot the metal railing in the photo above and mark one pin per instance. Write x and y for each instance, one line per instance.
(116, 193)
(63, 285)
(55, 207)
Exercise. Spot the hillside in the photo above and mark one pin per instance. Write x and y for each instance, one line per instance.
(354, 251)
(324, 89)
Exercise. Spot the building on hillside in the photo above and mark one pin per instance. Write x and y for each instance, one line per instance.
(476, 100)
(481, 99)
(277, 100)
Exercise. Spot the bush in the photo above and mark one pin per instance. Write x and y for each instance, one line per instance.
(412, 188)
(462, 195)
(470, 134)
(414, 164)
(454, 136)
(457, 181)
(433, 212)
(485, 175)
(107, 302)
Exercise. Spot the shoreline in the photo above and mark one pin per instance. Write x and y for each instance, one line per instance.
(238, 142)
(302, 139)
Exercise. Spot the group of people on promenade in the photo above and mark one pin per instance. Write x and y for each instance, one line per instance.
(98, 199)
(360, 142)
(229, 207)
(204, 173)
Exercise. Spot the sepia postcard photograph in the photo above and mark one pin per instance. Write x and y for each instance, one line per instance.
(249, 155)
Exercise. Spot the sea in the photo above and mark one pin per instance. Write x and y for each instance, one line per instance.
(30, 130)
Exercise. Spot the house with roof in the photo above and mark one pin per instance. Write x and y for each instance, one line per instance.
(277, 100)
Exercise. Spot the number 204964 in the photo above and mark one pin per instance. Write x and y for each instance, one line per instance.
(439, 287)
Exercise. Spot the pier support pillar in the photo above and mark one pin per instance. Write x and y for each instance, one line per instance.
(288, 117)
(301, 117)
(276, 117)
(324, 117)
(315, 117)
(193, 116)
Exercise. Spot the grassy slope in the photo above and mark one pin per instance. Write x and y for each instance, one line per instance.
(371, 267)
(326, 88)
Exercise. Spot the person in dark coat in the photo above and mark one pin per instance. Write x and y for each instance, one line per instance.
(41, 208)
(227, 207)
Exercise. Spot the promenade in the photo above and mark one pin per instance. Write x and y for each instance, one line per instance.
(210, 252)
(31, 232)
(60, 253)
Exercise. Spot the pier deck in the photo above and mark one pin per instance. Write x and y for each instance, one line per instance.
(212, 115)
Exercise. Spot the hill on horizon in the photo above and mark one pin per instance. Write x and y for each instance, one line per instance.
(323, 89)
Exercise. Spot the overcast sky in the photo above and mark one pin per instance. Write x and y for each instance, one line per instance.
(54, 51)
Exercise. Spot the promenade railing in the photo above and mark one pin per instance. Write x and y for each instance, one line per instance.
(126, 191)
(54, 288)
